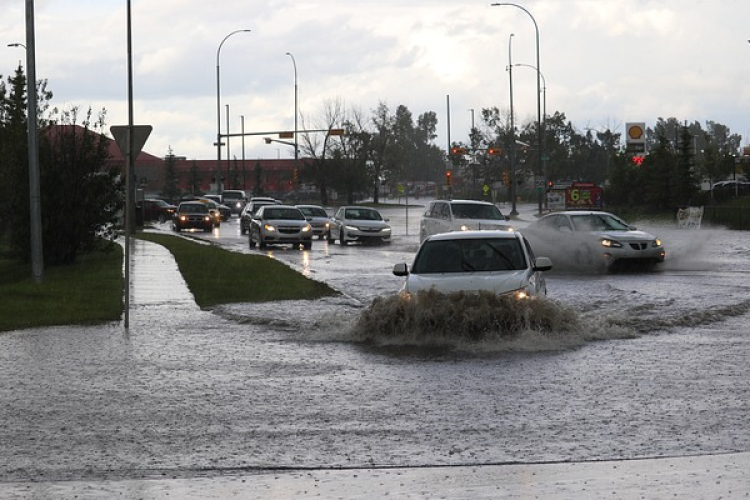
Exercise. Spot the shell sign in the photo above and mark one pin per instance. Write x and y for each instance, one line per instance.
(636, 133)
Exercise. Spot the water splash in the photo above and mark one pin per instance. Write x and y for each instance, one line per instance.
(484, 321)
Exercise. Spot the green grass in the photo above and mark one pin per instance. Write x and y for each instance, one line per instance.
(87, 292)
(217, 276)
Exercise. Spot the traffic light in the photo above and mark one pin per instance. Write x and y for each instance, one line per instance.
(296, 175)
(506, 178)
(637, 160)
(494, 151)
(458, 151)
(448, 175)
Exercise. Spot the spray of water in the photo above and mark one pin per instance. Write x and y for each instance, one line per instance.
(464, 319)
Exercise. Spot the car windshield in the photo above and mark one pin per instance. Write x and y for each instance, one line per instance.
(282, 214)
(362, 214)
(476, 211)
(469, 255)
(313, 211)
(194, 208)
(231, 196)
(598, 222)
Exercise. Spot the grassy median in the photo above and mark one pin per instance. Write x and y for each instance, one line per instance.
(87, 292)
(217, 276)
(91, 290)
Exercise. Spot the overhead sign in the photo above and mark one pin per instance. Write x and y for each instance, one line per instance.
(140, 135)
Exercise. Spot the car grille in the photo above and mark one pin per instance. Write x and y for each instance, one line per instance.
(288, 229)
(639, 246)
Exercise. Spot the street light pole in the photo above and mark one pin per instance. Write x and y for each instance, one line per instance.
(538, 92)
(512, 186)
(35, 201)
(296, 113)
(544, 116)
(218, 105)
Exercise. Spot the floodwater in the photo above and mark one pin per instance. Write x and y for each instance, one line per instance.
(644, 365)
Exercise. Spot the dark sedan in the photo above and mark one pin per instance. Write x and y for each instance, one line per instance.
(192, 215)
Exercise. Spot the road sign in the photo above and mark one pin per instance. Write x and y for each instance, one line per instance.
(140, 135)
(286, 135)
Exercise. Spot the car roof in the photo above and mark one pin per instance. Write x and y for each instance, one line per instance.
(579, 212)
(309, 206)
(474, 202)
(279, 206)
(474, 235)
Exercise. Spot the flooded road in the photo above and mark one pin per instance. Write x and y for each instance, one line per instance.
(658, 368)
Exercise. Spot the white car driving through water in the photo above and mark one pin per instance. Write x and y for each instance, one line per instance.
(594, 239)
(496, 261)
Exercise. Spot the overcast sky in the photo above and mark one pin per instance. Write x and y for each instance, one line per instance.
(605, 62)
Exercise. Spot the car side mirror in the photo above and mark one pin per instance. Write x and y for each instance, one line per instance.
(386, 220)
(542, 264)
(401, 269)
(507, 217)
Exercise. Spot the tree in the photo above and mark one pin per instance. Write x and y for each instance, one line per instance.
(195, 178)
(171, 189)
(82, 196)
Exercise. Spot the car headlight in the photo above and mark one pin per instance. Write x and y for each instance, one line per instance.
(386, 229)
(606, 242)
(269, 228)
(206, 218)
(306, 228)
(183, 218)
(656, 243)
(351, 228)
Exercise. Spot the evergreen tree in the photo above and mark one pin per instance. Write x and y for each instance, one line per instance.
(171, 190)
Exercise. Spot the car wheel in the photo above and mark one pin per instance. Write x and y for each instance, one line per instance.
(162, 218)
(328, 236)
(251, 241)
(342, 237)
(261, 243)
(243, 230)
(307, 245)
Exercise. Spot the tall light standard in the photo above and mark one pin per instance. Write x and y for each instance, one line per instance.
(218, 104)
(296, 113)
(538, 90)
(543, 123)
(35, 199)
(512, 189)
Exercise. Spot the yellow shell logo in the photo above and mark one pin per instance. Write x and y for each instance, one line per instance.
(635, 132)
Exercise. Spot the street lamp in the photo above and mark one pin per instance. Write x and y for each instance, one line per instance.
(544, 116)
(512, 190)
(218, 104)
(35, 199)
(538, 89)
(296, 113)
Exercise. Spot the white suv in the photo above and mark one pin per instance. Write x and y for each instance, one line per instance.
(444, 216)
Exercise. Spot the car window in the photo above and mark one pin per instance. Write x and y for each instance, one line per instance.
(313, 211)
(457, 256)
(445, 211)
(428, 211)
(196, 208)
(598, 222)
(476, 211)
(282, 214)
(361, 214)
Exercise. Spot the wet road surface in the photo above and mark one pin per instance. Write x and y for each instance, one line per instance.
(659, 371)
